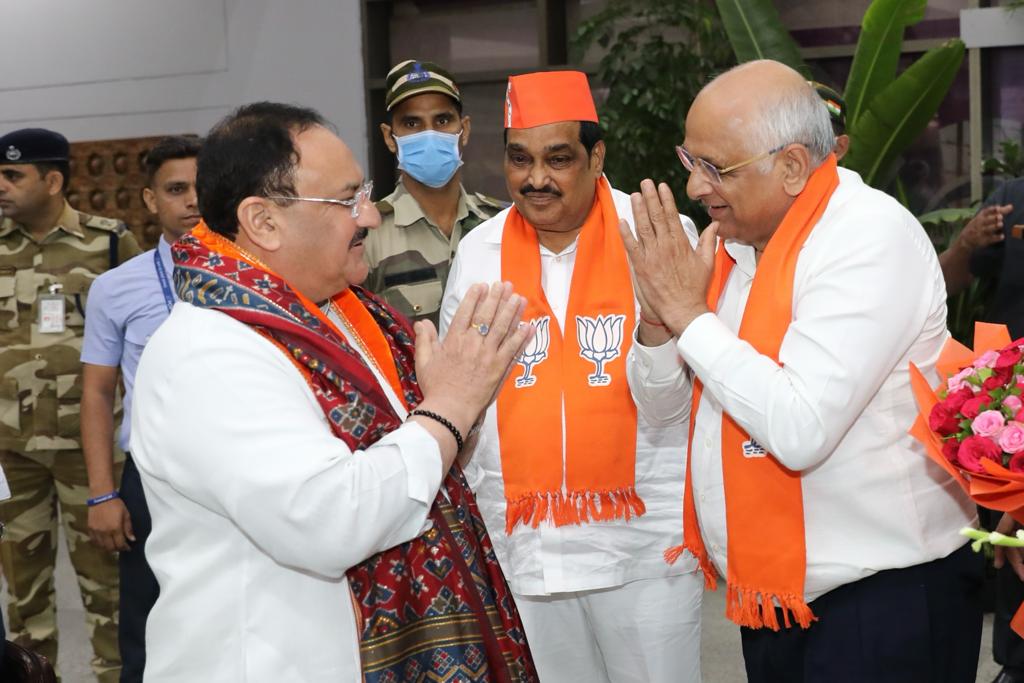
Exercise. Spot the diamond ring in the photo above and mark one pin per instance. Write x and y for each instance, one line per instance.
(482, 328)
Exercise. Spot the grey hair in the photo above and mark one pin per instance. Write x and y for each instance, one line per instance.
(795, 115)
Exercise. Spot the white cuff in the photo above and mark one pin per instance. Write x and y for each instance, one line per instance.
(656, 365)
(421, 455)
(703, 342)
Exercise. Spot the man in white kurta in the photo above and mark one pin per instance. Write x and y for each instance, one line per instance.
(259, 505)
(598, 600)
(891, 582)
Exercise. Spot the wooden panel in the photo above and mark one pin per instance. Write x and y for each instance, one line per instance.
(107, 177)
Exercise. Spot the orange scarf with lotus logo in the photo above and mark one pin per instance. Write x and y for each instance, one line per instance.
(580, 468)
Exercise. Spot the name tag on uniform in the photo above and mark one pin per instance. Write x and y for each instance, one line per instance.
(51, 314)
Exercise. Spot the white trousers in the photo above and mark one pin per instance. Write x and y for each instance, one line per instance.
(643, 632)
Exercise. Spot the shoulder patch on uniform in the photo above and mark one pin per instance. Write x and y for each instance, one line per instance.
(385, 208)
(490, 202)
(101, 223)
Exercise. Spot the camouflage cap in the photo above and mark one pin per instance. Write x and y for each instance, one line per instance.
(29, 145)
(835, 105)
(413, 77)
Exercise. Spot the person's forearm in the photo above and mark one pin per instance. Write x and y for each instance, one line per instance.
(97, 419)
(956, 270)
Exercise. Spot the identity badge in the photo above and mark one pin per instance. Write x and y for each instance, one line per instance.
(51, 311)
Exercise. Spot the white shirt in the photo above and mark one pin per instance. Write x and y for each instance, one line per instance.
(258, 510)
(868, 298)
(553, 559)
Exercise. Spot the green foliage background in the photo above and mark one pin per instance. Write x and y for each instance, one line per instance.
(660, 53)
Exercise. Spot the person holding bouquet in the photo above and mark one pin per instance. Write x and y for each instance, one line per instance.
(790, 336)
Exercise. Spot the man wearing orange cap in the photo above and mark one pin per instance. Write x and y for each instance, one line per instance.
(578, 490)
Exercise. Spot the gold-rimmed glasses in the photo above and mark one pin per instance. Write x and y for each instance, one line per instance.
(714, 173)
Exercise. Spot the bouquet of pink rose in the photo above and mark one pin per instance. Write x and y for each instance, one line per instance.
(980, 414)
(973, 423)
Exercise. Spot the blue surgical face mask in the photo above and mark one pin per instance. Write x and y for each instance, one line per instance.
(431, 157)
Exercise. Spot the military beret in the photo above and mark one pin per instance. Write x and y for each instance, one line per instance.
(413, 77)
(30, 145)
(835, 105)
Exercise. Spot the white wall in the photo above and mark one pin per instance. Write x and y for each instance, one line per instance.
(106, 69)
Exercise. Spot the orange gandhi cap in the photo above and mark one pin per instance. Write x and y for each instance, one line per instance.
(548, 97)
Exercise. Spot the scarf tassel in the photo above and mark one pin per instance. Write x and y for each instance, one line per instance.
(706, 568)
(577, 507)
(755, 609)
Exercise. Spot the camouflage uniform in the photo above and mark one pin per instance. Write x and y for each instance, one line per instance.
(409, 256)
(40, 447)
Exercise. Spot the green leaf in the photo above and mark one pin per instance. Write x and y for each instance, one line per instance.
(878, 51)
(946, 216)
(897, 115)
(756, 32)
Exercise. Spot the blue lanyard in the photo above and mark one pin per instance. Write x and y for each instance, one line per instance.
(165, 283)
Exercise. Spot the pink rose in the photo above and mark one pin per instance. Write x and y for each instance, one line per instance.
(1017, 462)
(1013, 403)
(1011, 439)
(986, 360)
(989, 423)
(959, 380)
(942, 422)
(950, 448)
(974, 449)
(972, 407)
(956, 399)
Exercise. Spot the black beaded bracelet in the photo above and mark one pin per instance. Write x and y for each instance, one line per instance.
(444, 421)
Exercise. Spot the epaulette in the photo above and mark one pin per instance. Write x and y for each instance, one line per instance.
(100, 223)
(490, 201)
(385, 208)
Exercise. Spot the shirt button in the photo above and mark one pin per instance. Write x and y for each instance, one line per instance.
(702, 498)
(416, 308)
(38, 356)
(707, 442)
(715, 547)
(558, 259)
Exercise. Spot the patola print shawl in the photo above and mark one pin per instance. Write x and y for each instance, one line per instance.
(436, 608)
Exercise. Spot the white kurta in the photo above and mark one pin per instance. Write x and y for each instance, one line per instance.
(258, 510)
(868, 298)
(553, 559)
(598, 601)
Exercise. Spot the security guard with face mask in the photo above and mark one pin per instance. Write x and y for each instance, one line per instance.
(423, 220)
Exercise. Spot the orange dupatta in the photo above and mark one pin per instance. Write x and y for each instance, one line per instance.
(583, 372)
(763, 499)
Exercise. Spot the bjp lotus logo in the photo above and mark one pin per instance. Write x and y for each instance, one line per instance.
(600, 339)
(535, 352)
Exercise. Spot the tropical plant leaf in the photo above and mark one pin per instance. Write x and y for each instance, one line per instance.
(756, 32)
(897, 115)
(952, 215)
(878, 51)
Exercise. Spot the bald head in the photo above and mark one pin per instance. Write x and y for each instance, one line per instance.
(765, 130)
(769, 104)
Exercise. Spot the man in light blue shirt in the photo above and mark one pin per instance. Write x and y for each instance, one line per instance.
(125, 307)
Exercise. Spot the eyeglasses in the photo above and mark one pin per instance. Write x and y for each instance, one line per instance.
(714, 173)
(362, 195)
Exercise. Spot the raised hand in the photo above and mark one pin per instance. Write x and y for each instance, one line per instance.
(671, 276)
(461, 375)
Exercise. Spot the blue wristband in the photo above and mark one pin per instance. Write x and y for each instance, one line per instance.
(91, 502)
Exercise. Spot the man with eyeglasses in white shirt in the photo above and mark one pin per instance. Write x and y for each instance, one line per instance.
(835, 535)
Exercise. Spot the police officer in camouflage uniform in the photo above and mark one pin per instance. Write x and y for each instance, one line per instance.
(49, 255)
(423, 220)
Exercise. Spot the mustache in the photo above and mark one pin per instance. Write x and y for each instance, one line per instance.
(360, 235)
(547, 189)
